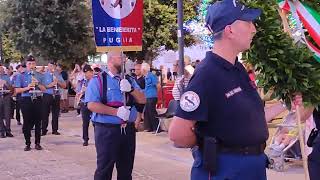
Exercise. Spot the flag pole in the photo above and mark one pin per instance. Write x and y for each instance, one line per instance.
(180, 37)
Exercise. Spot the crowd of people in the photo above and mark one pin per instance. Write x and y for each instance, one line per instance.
(61, 84)
(220, 116)
(32, 89)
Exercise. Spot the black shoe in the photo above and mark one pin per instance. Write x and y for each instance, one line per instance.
(19, 123)
(38, 147)
(2, 135)
(8, 134)
(56, 133)
(27, 148)
(85, 143)
(44, 133)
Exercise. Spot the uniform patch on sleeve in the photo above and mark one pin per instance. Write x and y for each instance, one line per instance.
(189, 101)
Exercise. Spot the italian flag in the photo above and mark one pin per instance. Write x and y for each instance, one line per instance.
(283, 4)
(310, 20)
(315, 50)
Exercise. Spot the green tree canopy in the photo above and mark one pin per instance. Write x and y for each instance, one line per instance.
(160, 27)
(283, 66)
(52, 29)
(10, 54)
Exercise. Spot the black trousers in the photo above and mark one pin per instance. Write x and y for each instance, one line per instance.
(50, 104)
(314, 160)
(114, 147)
(150, 113)
(12, 107)
(86, 115)
(5, 112)
(31, 112)
(17, 105)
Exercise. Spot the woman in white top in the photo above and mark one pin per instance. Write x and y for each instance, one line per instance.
(181, 83)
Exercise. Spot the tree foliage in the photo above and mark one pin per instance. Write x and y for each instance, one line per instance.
(160, 27)
(9, 52)
(283, 66)
(52, 29)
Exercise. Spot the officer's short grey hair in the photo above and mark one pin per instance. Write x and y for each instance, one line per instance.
(145, 66)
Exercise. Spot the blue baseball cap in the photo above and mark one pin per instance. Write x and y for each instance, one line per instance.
(225, 12)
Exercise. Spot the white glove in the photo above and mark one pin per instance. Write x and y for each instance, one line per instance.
(125, 86)
(123, 113)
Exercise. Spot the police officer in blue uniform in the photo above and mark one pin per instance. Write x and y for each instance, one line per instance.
(5, 104)
(20, 69)
(31, 103)
(115, 135)
(314, 157)
(85, 112)
(221, 116)
(53, 81)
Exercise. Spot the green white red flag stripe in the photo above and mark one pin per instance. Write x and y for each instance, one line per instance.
(314, 49)
(283, 4)
(309, 18)
(309, 21)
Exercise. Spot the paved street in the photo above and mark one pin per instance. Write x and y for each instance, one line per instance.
(64, 157)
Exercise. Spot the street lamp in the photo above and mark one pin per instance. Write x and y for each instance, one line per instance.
(180, 37)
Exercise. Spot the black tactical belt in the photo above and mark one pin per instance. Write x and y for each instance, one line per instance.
(29, 97)
(244, 150)
(54, 95)
(109, 125)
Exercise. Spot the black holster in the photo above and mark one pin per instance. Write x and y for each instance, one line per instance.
(314, 133)
(210, 154)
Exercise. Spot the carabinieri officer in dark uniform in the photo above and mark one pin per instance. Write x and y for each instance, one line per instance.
(31, 103)
(115, 134)
(221, 116)
(85, 112)
(53, 81)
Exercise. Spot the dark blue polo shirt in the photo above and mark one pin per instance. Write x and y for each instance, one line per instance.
(229, 106)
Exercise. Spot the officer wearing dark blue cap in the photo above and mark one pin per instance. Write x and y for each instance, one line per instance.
(85, 112)
(30, 85)
(221, 116)
(20, 70)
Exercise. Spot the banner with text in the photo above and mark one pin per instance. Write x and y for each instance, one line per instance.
(118, 25)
